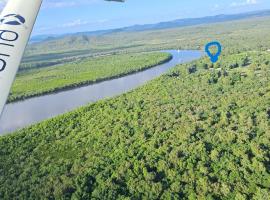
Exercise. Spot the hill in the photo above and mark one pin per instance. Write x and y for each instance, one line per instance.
(231, 35)
(162, 25)
(201, 131)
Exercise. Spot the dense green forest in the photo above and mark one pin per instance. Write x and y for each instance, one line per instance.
(70, 48)
(231, 34)
(40, 81)
(201, 131)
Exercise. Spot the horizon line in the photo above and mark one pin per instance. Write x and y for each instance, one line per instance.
(123, 27)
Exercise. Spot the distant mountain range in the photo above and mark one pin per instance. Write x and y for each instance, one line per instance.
(162, 25)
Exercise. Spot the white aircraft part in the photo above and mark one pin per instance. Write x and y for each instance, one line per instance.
(16, 24)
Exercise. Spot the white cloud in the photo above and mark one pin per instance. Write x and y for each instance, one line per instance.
(65, 3)
(215, 7)
(252, 1)
(71, 25)
(80, 22)
(75, 23)
(244, 3)
(58, 3)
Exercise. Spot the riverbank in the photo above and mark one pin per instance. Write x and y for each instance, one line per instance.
(78, 74)
(24, 113)
(187, 134)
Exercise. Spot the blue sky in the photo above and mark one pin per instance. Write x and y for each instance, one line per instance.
(64, 16)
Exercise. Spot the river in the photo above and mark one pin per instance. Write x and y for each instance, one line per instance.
(24, 113)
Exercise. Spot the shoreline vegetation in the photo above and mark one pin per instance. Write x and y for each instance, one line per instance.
(143, 62)
(201, 130)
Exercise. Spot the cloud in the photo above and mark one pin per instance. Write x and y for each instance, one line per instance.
(70, 25)
(65, 3)
(244, 3)
(215, 7)
(252, 2)
(58, 3)
(80, 22)
(75, 23)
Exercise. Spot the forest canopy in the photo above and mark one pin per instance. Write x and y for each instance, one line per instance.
(190, 134)
(40, 81)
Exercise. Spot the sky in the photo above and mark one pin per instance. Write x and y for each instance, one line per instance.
(66, 16)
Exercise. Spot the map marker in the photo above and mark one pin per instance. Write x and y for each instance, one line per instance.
(213, 57)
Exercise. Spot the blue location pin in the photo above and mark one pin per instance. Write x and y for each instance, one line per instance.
(214, 58)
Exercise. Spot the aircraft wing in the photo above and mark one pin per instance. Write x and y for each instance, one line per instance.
(16, 24)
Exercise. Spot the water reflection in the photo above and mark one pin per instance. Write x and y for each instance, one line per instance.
(24, 113)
